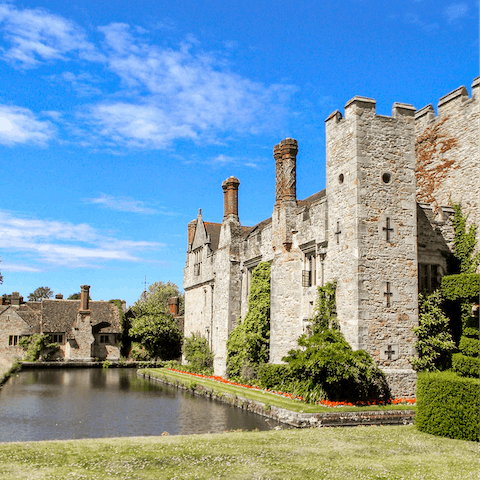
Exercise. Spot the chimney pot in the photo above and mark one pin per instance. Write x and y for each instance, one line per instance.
(84, 298)
(230, 197)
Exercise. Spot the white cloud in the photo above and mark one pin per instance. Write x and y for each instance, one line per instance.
(14, 267)
(123, 204)
(415, 19)
(455, 11)
(36, 36)
(67, 244)
(20, 125)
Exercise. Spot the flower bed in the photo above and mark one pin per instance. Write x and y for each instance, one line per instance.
(325, 403)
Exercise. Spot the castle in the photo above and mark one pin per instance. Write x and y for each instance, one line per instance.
(381, 228)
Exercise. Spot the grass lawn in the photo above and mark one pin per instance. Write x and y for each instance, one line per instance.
(334, 453)
(257, 395)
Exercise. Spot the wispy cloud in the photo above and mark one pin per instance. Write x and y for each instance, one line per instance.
(35, 36)
(20, 125)
(15, 267)
(455, 12)
(415, 19)
(123, 204)
(66, 244)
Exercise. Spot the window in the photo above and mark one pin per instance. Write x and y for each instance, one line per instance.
(104, 338)
(428, 277)
(56, 338)
(309, 270)
(13, 340)
(197, 262)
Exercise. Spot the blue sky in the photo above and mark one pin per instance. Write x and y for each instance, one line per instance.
(118, 120)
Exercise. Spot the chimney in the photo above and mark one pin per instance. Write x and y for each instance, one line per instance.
(15, 299)
(58, 296)
(84, 301)
(230, 197)
(191, 233)
(173, 305)
(285, 154)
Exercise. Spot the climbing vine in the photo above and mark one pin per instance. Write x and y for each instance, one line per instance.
(465, 242)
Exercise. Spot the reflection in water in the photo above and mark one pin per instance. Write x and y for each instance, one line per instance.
(48, 404)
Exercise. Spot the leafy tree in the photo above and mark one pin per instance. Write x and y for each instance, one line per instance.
(197, 353)
(153, 327)
(77, 296)
(39, 293)
(249, 343)
(435, 343)
(160, 292)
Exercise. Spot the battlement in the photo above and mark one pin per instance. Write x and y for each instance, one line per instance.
(455, 101)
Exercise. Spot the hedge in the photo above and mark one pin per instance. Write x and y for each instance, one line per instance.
(469, 346)
(466, 366)
(447, 405)
(461, 286)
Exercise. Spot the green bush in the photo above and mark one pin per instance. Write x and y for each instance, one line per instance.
(139, 353)
(434, 342)
(36, 346)
(327, 360)
(466, 366)
(469, 346)
(198, 355)
(271, 375)
(248, 344)
(470, 332)
(447, 405)
(461, 286)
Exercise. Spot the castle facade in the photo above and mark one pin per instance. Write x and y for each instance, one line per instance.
(381, 229)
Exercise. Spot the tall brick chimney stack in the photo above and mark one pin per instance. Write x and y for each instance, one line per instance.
(230, 197)
(15, 299)
(84, 295)
(285, 154)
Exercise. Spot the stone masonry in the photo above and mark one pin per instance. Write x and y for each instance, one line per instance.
(381, 229)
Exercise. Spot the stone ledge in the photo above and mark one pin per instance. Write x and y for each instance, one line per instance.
(301, 420)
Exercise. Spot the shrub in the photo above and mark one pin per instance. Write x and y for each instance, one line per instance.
(447, 405)
(325, 313)
(434, 342)
(197, 353)
(469, 346)
(36, 346)
(327, 360)
(271, 375)
(139, 353)
(466, 366)
(249, 343)
(461, 286)
(470, 332)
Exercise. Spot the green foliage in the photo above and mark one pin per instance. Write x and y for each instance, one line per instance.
(466, 366)
(248, 344)
(470, 332)
(106, 364)
(461, 286)
(197, 353)
(465, 242)
(325, 313)
(328, 361)
(36, 345)
(77, 296)
(157, 331)
(469, 346)
(160, 292)
(447, 405)
(39, 293)
(153, 327)
(434, 341)
(270, 375)
(138, 353)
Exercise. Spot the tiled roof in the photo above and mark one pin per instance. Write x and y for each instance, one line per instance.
(60, 315)
(30, 312)
(312, 198)
(258, 227)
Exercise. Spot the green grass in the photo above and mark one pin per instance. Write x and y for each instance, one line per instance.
(259, 396)
(390, 452)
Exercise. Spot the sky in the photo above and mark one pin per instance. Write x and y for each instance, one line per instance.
(119, 120)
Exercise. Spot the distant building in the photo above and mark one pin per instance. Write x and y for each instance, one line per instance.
(85, 330)
(382, 229)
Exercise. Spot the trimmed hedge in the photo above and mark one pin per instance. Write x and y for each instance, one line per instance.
(447, 405)
(470, 332)
(461, 286)
(466, 366)
(271, 375)
(469, 346)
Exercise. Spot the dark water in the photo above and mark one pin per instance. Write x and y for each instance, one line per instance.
(62, 404)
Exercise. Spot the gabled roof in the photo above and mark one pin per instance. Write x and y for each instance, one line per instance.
(312, 199)
(30, 313)
(213, 231)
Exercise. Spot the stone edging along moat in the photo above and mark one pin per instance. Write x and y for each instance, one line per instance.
(296, 419)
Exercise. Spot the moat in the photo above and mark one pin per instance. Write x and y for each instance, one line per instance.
(59, 404)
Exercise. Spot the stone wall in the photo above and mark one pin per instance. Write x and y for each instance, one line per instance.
(12, 324)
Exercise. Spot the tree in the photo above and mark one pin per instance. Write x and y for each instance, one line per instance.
(76, 296)
(39, 293)
(435, 343)
(156, 330)
(160, 292)
(152, 326)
